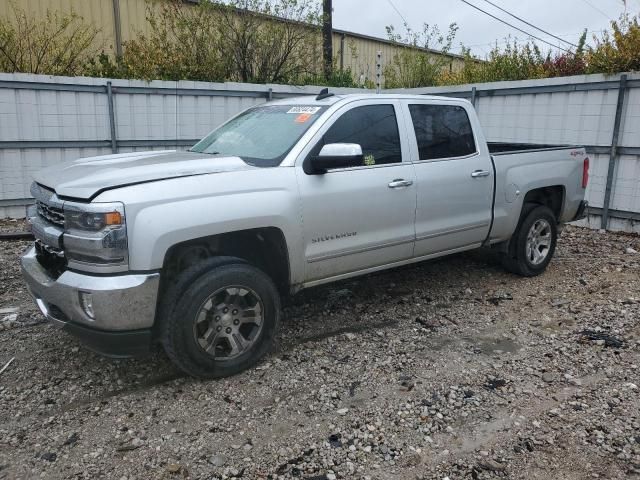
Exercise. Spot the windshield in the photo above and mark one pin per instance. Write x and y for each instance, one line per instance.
(261, 136)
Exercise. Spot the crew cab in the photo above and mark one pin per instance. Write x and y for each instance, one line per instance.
(194, 249)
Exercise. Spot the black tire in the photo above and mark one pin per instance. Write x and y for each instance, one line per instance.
(182, 304)
(516, 260)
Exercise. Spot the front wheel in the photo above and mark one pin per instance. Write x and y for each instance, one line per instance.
(533, 244)
(223, 321)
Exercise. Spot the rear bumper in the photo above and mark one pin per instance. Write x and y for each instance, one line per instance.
(582, 211)
(123, 306)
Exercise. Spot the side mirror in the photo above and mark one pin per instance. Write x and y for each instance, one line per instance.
(337, 155)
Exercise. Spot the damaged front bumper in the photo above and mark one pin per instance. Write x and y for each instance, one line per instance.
(112, 315)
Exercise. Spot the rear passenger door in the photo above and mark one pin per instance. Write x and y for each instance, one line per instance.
(454, 177)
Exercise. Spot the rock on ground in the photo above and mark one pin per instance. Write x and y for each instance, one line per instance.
(449, 369)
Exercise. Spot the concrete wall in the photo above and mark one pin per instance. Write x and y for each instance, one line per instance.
(45, 120)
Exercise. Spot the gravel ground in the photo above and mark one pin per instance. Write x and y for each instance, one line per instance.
(450, 369)
(8, 225)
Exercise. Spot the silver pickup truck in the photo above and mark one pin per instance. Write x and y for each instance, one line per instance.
(193, 250)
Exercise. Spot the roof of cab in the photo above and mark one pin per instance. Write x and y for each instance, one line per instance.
(338, 98)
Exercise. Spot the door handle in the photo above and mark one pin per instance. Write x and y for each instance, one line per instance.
(400, 183)
(480, 173)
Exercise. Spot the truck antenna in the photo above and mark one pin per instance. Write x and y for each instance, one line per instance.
(324, 93)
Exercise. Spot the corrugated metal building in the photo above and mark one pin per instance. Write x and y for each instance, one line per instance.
(122, 20)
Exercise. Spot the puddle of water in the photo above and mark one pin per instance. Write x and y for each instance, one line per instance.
(438, 343)
(489, 345)
(485, 345)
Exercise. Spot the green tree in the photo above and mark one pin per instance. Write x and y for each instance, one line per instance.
(618, 50)
(265, 50)
(260, 41)
(183, 43)
(58, 44)
(415, 65)
(513, 62)
(615, 51)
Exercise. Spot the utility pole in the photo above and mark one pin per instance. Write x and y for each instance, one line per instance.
(117, 27)
(327, 37)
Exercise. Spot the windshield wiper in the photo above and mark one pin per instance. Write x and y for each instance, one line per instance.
(206, 153)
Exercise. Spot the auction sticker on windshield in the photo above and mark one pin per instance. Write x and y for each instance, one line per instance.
(307, 110)
(303, 117)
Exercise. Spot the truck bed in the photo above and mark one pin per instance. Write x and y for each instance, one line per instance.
(522, 167)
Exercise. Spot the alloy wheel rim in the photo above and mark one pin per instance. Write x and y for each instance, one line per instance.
(539, 242)
(229, 322)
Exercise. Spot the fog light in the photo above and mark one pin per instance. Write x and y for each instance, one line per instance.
(87, 304)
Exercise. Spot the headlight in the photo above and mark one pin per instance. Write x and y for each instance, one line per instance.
(92, 222)
(95, 236)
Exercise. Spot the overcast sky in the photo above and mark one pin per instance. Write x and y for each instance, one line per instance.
(563, 18)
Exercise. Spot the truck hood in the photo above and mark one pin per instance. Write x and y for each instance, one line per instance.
(86, 177)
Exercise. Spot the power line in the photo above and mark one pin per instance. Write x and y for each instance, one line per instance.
(521, 39)
(530, 24)
(596, 9)
(513, 26)
(398, 12)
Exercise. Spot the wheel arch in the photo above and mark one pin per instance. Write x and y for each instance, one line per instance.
(265, 248)
(552, 197)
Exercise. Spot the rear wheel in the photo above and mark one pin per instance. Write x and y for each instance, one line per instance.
(222, 320)
(534, 242)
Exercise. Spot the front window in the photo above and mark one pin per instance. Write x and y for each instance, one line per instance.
(373, 127)
(261, 136)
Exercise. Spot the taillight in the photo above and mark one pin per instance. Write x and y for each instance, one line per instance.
(585, 173)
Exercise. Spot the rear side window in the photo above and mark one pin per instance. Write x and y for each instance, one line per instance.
(442, 131)
(374, 128)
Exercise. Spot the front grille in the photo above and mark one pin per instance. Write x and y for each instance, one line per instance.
(52, 259)
(46, 218)
(52, 214)
(43, 248)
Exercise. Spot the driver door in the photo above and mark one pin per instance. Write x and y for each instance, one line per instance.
(359, 218)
